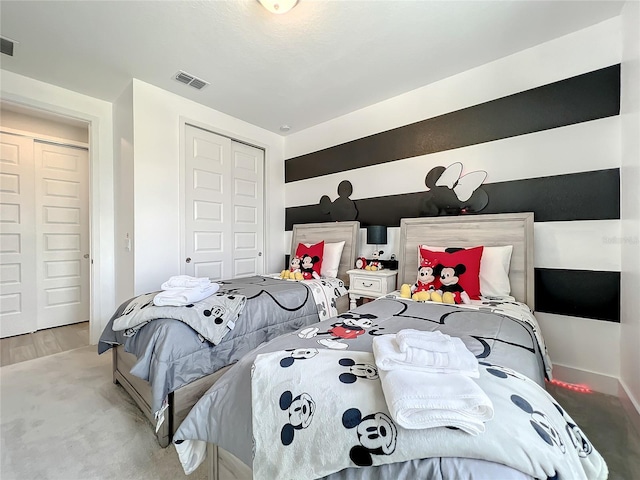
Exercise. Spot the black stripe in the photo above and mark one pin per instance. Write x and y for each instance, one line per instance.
(578, 99)
(591, 195)
(578, 293)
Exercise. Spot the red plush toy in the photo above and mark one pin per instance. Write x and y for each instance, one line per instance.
(426, 279)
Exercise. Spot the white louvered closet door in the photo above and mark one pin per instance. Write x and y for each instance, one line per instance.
(224, 206)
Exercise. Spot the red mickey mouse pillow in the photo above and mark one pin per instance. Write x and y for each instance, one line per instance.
(470, 258)
(316, 250)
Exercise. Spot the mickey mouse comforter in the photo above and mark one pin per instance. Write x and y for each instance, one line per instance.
(309, 404)
(171, 354)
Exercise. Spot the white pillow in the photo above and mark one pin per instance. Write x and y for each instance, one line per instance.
(494, 269)
(330, 258)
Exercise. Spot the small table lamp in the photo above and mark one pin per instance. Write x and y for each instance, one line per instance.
(377, 235)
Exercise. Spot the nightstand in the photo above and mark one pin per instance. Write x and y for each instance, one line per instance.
(370, 284)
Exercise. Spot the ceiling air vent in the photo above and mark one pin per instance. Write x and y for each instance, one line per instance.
(6, 46)
(190, 80)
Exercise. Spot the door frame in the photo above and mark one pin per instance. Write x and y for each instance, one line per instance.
(183, 122)
(102, 271)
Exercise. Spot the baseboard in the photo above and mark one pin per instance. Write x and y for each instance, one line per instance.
(595, 381)
(603, 384)
(630, 406)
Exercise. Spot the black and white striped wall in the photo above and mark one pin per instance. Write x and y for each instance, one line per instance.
(545, 125)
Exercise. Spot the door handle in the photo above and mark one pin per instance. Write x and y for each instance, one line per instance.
(86, 255)
(188, 260)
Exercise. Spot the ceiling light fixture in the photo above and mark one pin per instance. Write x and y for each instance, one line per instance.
(278, 6)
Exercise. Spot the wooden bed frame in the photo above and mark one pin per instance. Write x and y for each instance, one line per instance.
(469, 231)
(182, 400)
(452, 231)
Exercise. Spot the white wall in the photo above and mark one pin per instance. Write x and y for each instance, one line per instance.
(124, 194)
(630, 175)
(574, 342)
(157, 117)
(32, 93)
(43, 126)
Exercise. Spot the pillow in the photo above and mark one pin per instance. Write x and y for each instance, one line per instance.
(331, 260)
(470, 258)
(316, 250)
(494, 269)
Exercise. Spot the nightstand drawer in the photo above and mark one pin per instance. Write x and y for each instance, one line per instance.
(368, 284)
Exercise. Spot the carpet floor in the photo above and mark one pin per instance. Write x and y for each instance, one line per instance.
(61, 417)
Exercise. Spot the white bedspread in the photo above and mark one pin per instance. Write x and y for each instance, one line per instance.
(326, 411)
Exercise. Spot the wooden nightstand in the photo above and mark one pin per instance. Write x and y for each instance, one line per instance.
(370, 284)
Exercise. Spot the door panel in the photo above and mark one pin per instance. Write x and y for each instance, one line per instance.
(223, 216)
(62, 240)
(248, 201)
(207, 204)
(18, 293)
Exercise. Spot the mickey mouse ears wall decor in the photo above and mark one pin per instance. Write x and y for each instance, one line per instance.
(278, 6)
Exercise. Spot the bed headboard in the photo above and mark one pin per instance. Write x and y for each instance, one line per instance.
(468, 231)
(331, 232)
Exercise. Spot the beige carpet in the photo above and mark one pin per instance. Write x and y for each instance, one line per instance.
(61, 417)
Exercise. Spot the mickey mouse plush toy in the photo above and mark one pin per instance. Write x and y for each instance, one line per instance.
(452, 291)
(306, 266)
(375, 263)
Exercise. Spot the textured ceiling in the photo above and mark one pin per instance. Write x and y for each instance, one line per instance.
(319, 61)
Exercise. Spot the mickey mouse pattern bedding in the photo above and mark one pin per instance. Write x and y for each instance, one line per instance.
(506, 346)
(171, 354)
(326, 411)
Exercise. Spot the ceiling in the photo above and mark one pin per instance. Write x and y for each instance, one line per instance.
(321, 60)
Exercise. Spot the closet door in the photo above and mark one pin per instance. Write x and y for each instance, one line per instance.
(18, 291)
(248, 214)
(208, 211)
(62, 240)
(223, 198)
(44, 241)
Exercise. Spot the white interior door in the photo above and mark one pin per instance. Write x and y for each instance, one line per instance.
(248, 204)
(223, 217)
(18, 293)
(208, 209)
(62, 240)
(44, 242)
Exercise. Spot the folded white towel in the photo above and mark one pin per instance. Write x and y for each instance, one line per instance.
(389, 357)
(185, 281)
(178, 297)
(427, 400)
(435, 341)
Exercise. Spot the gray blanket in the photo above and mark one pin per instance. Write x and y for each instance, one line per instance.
(223, 415)
(171, 354)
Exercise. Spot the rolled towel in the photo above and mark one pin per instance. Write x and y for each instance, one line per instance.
(428, 400)
(389, 357)
(178, 297)
(185, 281)
(435, 341)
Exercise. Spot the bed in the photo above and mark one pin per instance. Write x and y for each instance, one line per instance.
(281, 412)
(166, 366)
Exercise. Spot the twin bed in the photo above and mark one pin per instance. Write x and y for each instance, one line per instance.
(309, 404)
(166, 367)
